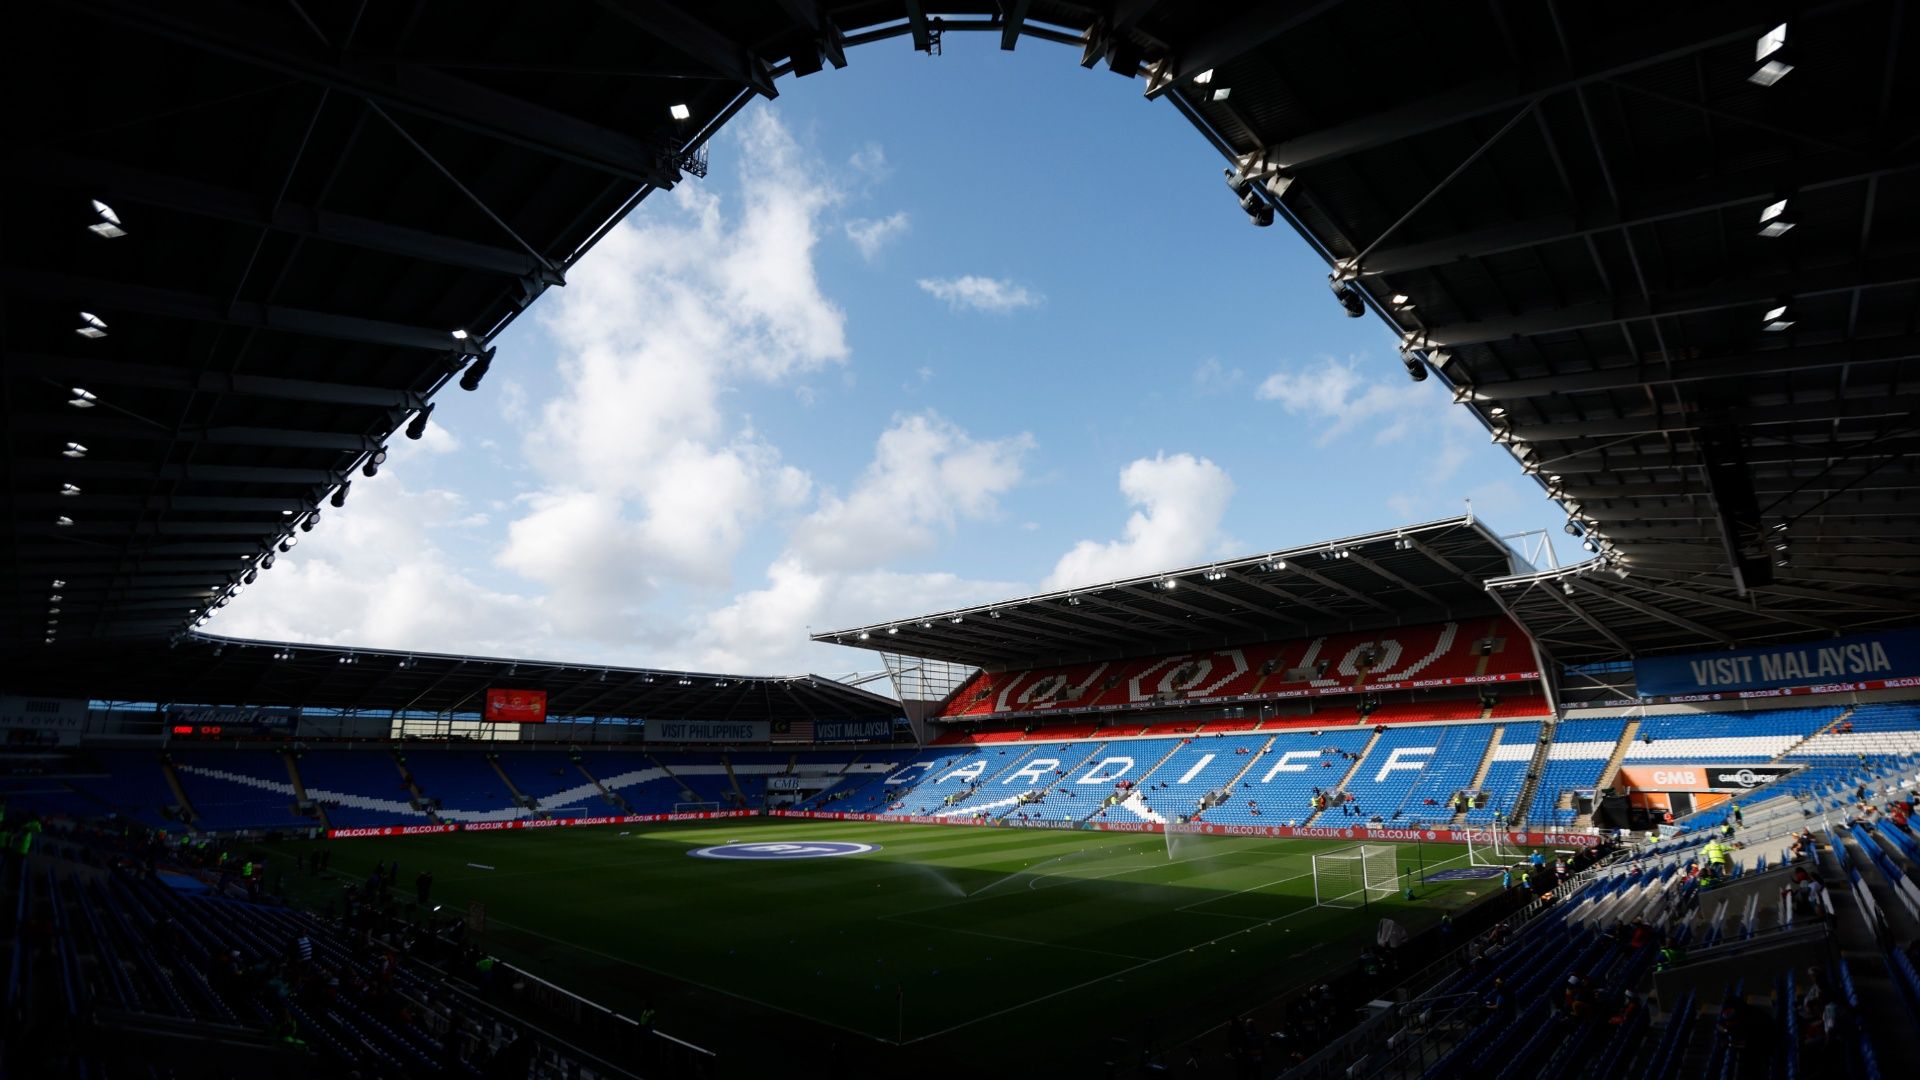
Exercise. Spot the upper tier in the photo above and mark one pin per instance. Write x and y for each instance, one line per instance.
(1444, 654)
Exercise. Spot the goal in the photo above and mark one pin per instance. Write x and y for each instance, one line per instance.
(695, 807)
(1488, 847)
(1349, 877)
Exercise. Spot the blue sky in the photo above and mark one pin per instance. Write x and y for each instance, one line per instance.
(933, 331)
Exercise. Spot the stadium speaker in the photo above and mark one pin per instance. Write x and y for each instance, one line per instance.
(1416, 368)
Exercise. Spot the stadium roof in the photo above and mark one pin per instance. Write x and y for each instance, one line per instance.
(202, 669)
(1569, 211)
(1597, 613)
(1422, 573)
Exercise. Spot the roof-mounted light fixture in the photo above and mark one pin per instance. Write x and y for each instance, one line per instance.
(679, 112)
(91, 326)
(83, 398)
(74, 450)
(1773, 219)
(418, 428)
(109, 225)
(1776, 320)
(1771, 49)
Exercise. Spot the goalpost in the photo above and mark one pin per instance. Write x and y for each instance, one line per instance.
(1348, 877)
(695, 807)
(1488, 847)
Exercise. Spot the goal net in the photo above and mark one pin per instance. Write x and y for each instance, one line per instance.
(694, 807)
(1347, 878)
(1488, 847)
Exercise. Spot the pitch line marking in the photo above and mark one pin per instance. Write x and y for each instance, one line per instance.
(693, 982)
(1126, 970)
(1014, 940)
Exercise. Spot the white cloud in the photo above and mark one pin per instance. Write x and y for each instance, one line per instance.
(870, 161)
(438, 440)
(1181, 501)
(926, 475)
(871, 234)
(1339, 392)
(997, 295)
(643, 463)
(766, 630)
(371, 574)
(1210, 377)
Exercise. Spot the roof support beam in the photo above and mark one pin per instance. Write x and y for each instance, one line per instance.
(1013, 18)
(244, 35)
(1250, 27)
(1668, 587)
(122, 183)
(93, 425)
(1416, 590)
(1650, 611)
(1160, 596)
(1580, 613)
(1862, 408)
(90, 371)
(1615, 311)
(142, 470)
(109, 297)
(1746, 365)
(699, 41)
(1703, 197)
(1322, 580)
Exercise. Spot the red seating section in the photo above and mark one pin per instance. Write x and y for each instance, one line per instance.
(1407, 656)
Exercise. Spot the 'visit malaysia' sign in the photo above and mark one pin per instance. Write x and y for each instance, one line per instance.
(1864, 657)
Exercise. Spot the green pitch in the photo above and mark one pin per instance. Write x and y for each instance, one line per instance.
(942, 939)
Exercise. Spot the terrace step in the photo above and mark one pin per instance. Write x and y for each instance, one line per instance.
(1607, 773)
(1535, 767)
(300, 789)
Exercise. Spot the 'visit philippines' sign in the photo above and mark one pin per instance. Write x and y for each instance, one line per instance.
(1863, 657)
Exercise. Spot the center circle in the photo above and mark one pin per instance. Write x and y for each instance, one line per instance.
(818, 849)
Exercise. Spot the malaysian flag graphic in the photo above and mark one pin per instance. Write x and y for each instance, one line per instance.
(793, 731)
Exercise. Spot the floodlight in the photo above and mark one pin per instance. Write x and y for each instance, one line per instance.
(63, 521)
(91, 326)
(1770, 42)
(470, 379)
(1348, 295)
(69, 490)
(1770, 72)
(82, 398)
(459, 335)
(1204, 77)
(679, 112)
(75, 450)
(418, 428)
(340, 493)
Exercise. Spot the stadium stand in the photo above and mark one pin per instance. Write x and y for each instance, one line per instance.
(1704, 737)
(1580, 751)
(1411, 773)
(359, 788)
(1197, 767)
(1507, 774)
(1276, 787)
(237, 789)
(1377, 660)
(462, 786)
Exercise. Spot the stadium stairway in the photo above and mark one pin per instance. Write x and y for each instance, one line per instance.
(1612, 767)
(179, 792)
(513, 790)
(300, 789)
(1797, 747)
(1536, 769)
(1352, 771)
(1037, 796)
(1486, 766)
(606, 794)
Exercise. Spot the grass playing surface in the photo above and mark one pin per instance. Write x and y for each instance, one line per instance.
(944, 937)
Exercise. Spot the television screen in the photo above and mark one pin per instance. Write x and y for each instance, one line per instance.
(515, 706)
